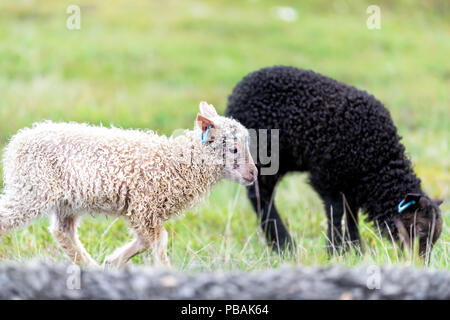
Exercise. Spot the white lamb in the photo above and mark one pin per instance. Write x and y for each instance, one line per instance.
(67, 169)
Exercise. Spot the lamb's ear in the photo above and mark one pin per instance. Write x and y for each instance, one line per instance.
(203, 122)
(438, 202)
(424, 202)
(416, 199)
(207, 110)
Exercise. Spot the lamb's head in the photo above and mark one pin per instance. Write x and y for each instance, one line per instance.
(419, 216)
(228, 142)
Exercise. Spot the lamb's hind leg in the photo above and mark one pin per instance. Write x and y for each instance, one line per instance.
(64, 230)
(351, 236)
(335, 210)
(276, 233)
(156, 238)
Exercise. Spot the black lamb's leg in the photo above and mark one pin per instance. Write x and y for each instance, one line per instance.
(352, 230)
(263, 203)
(335, 211)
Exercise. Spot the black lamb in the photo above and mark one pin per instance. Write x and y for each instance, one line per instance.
(346, 140)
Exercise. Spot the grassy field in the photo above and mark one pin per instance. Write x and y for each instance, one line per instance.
(147, 64)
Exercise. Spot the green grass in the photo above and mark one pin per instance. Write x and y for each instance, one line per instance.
(147, 64)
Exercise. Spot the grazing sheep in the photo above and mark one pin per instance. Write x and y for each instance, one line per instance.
(67, 169)
(346, 140)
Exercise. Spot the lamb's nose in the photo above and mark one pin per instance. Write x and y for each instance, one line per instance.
(250, 175)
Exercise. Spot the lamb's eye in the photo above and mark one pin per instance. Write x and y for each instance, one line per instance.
(233, 150)
(421, 230)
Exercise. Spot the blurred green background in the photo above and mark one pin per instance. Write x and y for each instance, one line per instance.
(147, 64)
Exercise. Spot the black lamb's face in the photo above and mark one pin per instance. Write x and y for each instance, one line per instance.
(422, 220)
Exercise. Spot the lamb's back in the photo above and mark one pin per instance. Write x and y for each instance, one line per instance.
(324, 124)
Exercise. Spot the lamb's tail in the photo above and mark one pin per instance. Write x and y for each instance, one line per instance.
(13, 213)
(3, 213)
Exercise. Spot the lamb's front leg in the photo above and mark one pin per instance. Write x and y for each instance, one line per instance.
(156, 238)
(159, 246)
(123, 254)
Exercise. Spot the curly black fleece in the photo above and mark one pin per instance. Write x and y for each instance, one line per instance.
(344, 138)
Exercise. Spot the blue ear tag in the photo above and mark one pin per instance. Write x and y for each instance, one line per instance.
(205, 134)
(402, 207)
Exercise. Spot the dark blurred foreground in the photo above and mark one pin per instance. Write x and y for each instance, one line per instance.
(36, 280)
